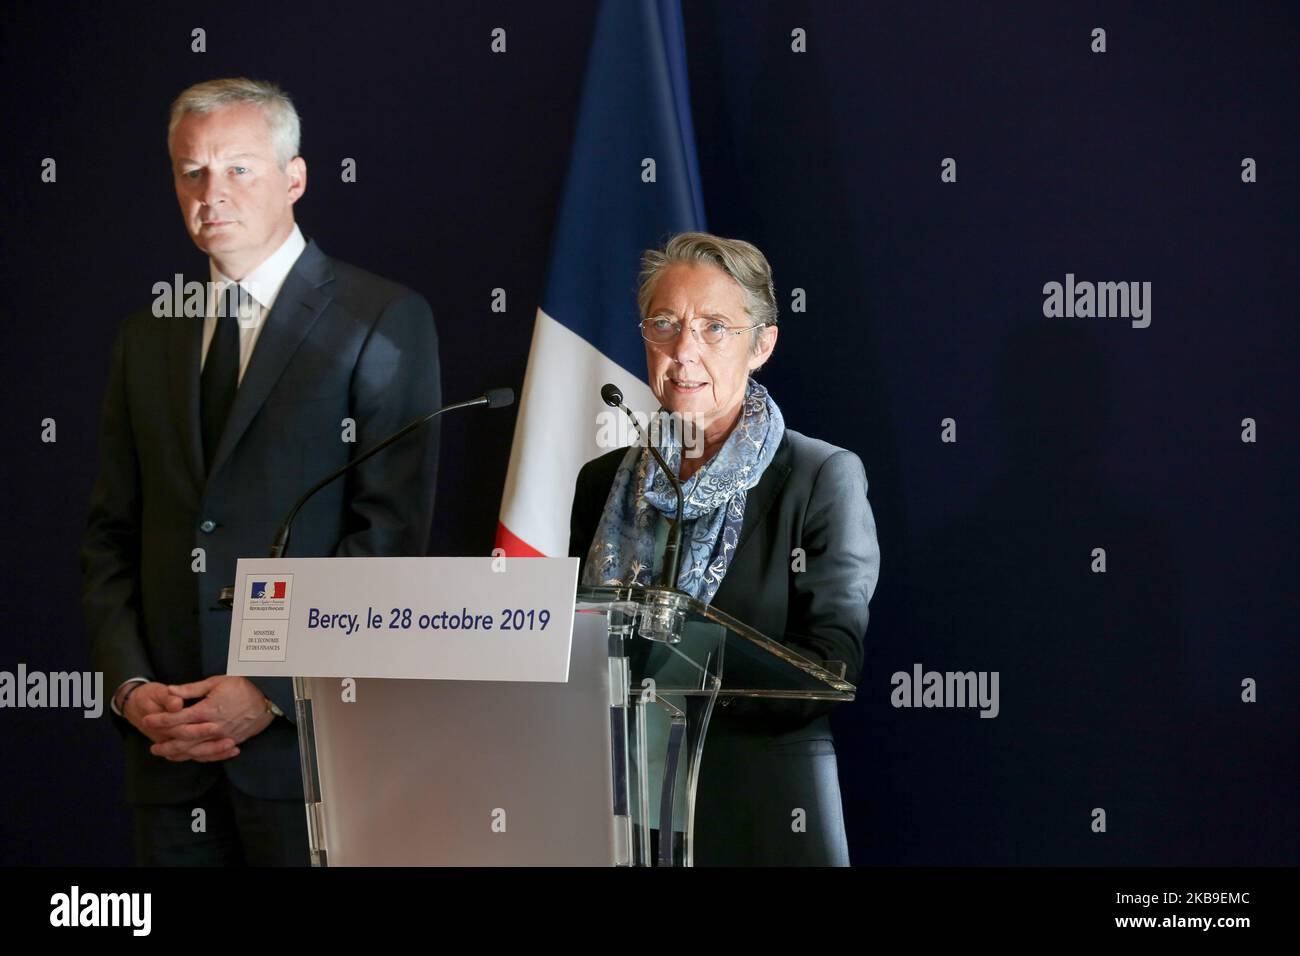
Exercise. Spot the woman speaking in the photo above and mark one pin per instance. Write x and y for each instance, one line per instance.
(776, 531)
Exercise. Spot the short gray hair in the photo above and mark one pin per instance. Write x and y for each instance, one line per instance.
(275, 104)
(739, 259)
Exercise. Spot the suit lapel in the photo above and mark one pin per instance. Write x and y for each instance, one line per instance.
(184, 348)
(759, 501)
(302, 299)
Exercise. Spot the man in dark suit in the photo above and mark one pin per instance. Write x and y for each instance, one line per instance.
(213, 425)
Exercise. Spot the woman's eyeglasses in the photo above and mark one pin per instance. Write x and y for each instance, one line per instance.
(659, 330)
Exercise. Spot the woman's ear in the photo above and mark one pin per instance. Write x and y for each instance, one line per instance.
(766, 343)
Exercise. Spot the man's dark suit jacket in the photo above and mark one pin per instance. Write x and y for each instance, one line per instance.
(764, 760)
(338, 343)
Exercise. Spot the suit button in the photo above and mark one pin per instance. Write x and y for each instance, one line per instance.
(208, 526)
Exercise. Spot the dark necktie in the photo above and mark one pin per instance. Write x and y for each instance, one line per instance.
(220, 377)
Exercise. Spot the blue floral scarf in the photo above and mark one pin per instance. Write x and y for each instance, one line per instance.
(623, 550)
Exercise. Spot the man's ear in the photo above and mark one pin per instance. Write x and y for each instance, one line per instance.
(296, 170)
(766, 343)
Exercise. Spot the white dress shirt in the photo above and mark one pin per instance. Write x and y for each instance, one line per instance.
(263, 285)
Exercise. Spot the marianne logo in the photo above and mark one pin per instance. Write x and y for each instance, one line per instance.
(268, 597)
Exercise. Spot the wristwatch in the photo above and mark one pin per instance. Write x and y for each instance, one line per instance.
(271, 708)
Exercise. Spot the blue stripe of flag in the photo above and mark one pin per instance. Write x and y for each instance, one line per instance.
(635, 104)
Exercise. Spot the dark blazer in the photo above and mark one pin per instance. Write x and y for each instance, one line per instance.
(763, 760)
(338, 343)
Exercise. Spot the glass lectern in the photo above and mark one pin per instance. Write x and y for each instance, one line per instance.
(601, 770)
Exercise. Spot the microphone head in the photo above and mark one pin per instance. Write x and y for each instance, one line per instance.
(500, 397)
(611, 395)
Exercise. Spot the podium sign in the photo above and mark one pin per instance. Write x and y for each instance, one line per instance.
(475, 619)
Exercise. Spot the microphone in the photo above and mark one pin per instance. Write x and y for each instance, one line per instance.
(612, 397)
(493, 398)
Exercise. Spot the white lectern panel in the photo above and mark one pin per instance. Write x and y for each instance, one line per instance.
(406, 779)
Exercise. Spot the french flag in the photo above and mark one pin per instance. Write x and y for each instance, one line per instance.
(633, 181)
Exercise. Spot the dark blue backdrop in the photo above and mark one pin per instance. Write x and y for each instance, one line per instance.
(1118, 690)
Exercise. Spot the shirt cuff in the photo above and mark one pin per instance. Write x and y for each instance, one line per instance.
(112, 701)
